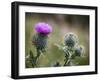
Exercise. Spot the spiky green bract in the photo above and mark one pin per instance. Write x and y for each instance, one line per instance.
(40, 42)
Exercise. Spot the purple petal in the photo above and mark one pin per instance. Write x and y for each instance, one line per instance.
(43, 28)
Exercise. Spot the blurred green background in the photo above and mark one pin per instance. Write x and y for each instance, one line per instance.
(61, 25)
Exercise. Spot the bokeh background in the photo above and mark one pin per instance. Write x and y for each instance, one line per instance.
(61, 24)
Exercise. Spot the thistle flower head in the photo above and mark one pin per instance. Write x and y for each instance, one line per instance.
(70, 40)
(43, 28)
(79, 50)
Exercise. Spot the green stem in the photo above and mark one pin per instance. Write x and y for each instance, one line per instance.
(67, 62)
(37, 57)
(67, 59)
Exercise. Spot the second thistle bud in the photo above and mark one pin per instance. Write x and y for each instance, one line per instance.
(70, 40)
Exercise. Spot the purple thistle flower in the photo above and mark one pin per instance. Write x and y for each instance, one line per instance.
(43, 28)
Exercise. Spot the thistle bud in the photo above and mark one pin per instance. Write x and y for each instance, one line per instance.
(79, 50)
(70, 40)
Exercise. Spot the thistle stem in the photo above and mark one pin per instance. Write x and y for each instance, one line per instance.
(67, 62)
(37, 56)
(67, 59)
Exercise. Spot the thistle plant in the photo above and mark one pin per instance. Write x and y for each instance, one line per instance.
(71, 49)
(39, 40)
